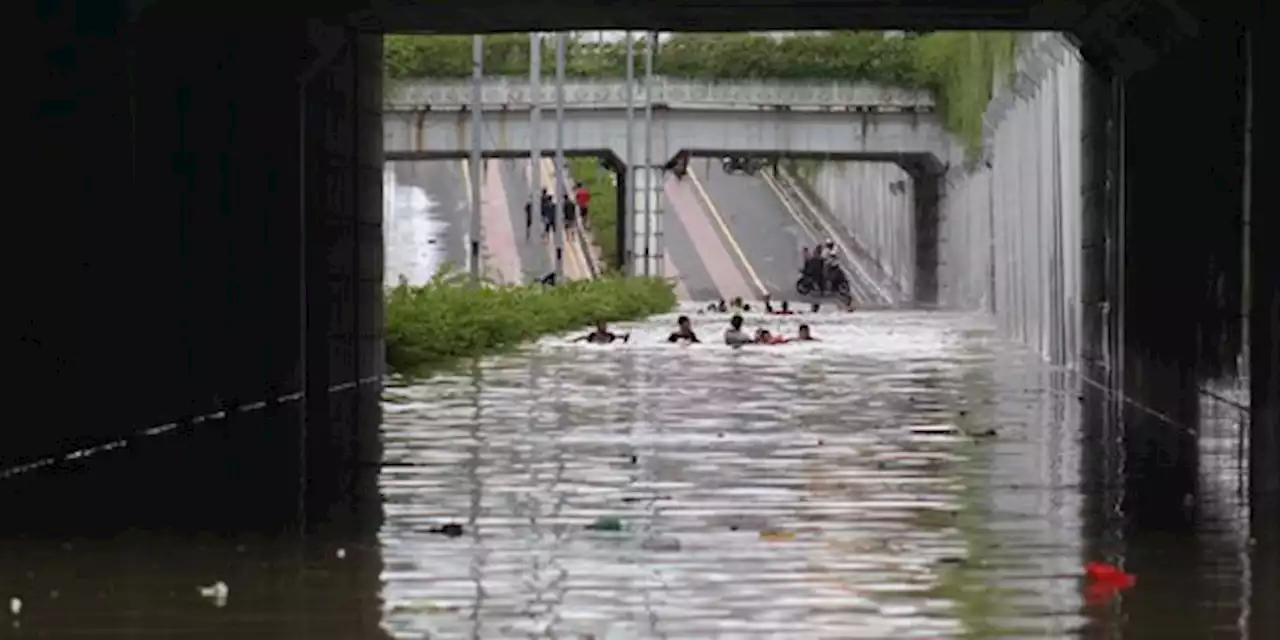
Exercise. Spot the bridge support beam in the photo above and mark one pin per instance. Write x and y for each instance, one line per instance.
(646, 227)
(1264, 354)
(928, 184)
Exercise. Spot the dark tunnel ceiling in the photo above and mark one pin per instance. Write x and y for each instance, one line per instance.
(1127, 33)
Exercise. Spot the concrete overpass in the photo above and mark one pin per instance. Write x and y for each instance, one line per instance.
(429, 119)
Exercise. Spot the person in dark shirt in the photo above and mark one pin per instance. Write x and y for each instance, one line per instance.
(548, 215)
(684, 332)
(804, 335)
(602, 335)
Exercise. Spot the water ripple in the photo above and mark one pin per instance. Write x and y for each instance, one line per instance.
(820, 490)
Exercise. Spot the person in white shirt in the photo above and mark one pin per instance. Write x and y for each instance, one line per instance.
(734, 336)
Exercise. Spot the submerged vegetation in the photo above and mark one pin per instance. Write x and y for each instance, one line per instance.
(432, 325)
(960, 67)
(604, 205)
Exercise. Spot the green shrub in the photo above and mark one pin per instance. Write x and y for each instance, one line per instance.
(604, 205)
(963, 67)
(447, 319)
(959, 66)
(845, 55)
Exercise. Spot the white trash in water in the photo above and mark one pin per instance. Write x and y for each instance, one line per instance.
(217, 592)
(15, 606)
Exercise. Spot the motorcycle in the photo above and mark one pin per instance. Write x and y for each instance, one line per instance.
(837, 282)
(749, 166)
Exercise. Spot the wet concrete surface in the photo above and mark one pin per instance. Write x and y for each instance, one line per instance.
(533, 250)
(906, 477)
(683, 253)
(429, 218)
(770, 238)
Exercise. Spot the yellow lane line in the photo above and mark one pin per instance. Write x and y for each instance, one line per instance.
(724, 228)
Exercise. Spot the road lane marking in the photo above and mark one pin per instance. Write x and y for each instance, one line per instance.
(728, 236)
(726, 278)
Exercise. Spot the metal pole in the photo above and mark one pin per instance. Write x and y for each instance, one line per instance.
(535, 128)
(656, 211)
(629, 205)
(559, 174)
(477, 77)
(648, 154)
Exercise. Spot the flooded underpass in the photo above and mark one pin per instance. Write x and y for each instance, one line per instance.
(905, 476)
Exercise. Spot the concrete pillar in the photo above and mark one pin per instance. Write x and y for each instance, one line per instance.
(1264, 357)
(928, 186)
(342, 186)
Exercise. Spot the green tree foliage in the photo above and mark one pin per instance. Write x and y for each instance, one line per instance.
(446, 319)
(959, 66)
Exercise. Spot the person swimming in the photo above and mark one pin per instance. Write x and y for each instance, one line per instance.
(803, 334)
(684, 332)
(734, 336)
(815, 308)
(783, 310)
(602, 335)
(764, 336)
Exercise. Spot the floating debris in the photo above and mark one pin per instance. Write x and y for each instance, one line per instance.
(452, 530)
(217, 592)
(774, 535)
(15, 605)
(605, 524)
(341, 553)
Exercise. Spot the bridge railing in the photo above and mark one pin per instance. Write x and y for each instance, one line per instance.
(516, 93)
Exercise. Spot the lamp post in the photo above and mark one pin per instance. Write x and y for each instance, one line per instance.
(535, 126)
(477, 78)
(559, 173)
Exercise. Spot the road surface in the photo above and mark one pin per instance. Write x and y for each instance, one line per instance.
(769, 236)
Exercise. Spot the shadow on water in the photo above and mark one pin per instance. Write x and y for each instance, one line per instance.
(120, 543)
(907, 476)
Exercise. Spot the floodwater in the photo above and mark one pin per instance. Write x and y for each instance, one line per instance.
(905, 477)
(849, 488)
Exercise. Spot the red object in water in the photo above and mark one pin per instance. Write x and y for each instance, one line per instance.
(1103, 572)
(1105, 582)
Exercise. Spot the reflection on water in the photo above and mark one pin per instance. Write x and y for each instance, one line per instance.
(824, 490)
(413, 230)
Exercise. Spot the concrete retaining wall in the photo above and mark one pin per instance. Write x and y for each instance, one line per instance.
(1009, 236)
(1010, 232)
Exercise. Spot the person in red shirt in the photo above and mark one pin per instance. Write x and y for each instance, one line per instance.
(583, 198)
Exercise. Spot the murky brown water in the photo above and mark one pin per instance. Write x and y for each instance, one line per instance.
(823, 490)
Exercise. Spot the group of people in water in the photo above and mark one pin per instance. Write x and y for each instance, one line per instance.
(734, 336)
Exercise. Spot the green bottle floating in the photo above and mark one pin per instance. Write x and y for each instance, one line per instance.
(605, 524)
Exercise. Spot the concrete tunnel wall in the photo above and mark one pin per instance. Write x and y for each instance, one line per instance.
(1010, 224)
(875, 202)
(216, 253)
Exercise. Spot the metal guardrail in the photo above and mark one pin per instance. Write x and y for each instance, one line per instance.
(503, 92)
